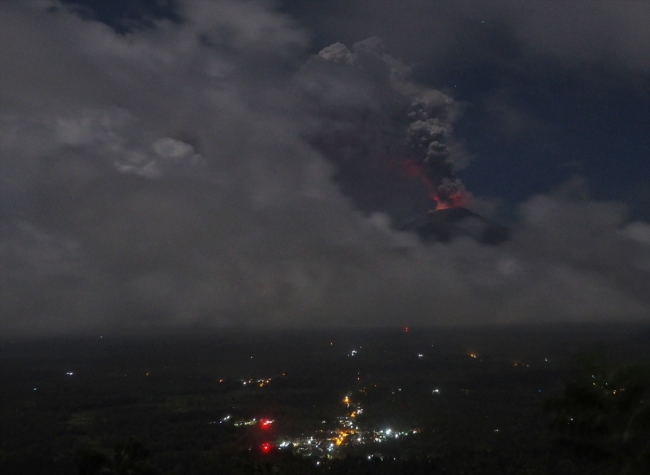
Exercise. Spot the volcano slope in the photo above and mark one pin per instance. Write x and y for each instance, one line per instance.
(452, 223)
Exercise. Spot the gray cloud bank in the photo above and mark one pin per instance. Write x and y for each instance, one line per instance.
(573, 31)
(184, 175)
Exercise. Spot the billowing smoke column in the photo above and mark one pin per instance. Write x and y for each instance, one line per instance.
(428, 155)
(382, 130)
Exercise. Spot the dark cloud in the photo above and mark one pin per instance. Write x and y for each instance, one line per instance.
(169, 177)
(574, 31)
(384, 132)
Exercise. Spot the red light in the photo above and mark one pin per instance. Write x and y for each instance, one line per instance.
(406, 329)
(266, 447)
(265, 423)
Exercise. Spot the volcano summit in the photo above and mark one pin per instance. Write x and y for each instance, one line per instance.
(451, 223)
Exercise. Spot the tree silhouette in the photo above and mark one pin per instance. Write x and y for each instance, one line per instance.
(604, 413)
(130, 458)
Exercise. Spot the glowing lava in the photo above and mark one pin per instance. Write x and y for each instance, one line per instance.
(452, 200)
(447, 193)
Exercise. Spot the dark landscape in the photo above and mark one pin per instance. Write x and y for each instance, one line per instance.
(425, 400)
(307, 237)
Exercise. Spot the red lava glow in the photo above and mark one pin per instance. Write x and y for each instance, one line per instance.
(454, 200)
(266, 447)
(451, 200)
(265, 423)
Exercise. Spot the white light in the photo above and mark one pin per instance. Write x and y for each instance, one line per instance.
(420, 355)
(69, 373)
(387, 431)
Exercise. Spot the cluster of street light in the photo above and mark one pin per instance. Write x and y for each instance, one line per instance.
(326, 442)
(348, 433)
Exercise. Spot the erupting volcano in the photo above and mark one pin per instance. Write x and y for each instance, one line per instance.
(447, 191)
(427, 156)
(449, 219)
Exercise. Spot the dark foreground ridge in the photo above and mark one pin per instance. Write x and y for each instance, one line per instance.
(452, 223)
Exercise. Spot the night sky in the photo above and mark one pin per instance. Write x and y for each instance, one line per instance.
(245, 164)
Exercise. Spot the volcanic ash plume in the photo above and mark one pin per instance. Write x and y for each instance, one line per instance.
(373, 119)
(428, 152)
